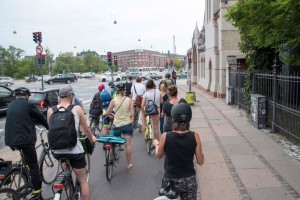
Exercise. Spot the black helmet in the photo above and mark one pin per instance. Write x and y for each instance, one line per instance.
(181, 112)
(168, 75)
(22, 91)
(111, 84)
(120, 87)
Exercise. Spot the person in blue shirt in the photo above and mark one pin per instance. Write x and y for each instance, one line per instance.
(106, 96)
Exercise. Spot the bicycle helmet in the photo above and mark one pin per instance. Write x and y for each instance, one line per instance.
(181, 112)
(168, 75)
(101, 87)
(120, 87)
(111, 84)
(22, 91)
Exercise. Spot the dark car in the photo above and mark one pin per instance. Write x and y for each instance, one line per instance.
(60, 78)
(6, 96)
(152, 75)
(44, 99)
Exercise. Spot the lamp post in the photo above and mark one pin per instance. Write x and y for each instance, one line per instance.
(73, 61)
(274, 96)
(239, 84)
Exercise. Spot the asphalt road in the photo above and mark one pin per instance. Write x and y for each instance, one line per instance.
(141, 182)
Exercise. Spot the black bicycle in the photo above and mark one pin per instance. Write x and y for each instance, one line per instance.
(112, 148)
(8, 194)
(49, 166)
(94, 125)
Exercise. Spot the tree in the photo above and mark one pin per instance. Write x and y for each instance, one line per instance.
(267, 28)
(9, 59)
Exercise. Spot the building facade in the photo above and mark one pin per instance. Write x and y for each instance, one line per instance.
(211, 46)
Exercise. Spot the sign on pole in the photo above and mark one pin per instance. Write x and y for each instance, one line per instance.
(39, 49)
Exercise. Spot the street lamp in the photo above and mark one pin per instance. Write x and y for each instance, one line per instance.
(73, 61)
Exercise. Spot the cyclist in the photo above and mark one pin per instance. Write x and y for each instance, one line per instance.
(154, 95)
(123, 110)
(179, 147)
(75, 154)
(106, 96)
(128, 86)
(164, 96)
(97, 97)
(20, 133)
(137, 89)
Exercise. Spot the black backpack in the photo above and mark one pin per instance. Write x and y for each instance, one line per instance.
(96, 108)
(62, 131)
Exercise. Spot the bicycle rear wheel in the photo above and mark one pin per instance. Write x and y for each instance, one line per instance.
(148, 138)
(116, 151)
(88, 165)
(9, 194)
(12, 181)
(93, 126)
(49, 167)
(109, 164)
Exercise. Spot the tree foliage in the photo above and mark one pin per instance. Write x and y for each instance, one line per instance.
(267, 28)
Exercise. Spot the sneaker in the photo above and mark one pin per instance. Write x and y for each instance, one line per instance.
(37, 196)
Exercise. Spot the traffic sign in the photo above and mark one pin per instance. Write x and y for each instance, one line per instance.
(39, 49)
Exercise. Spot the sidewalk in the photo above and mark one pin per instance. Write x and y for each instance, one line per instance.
(241, 162)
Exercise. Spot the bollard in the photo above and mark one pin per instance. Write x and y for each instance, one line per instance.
(190, 98)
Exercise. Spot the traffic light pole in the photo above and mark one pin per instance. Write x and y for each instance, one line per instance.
(190, 78)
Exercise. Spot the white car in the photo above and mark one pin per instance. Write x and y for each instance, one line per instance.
(108, 77)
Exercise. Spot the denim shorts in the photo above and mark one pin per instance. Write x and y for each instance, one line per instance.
(126, 130)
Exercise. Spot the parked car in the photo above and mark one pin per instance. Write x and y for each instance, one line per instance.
(6, 96)
(133, 75)
(108, 77)
(44, 99)
(182, 75)
(88, 75)
(60, 78)
(7, 81)
(152, 75)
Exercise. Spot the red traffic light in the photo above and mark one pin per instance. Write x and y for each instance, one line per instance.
(189, 58)
(109, 61)
(115, 60)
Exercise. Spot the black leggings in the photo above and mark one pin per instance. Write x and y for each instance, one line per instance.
(30, 157)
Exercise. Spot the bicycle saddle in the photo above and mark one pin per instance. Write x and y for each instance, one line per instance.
(169, 191)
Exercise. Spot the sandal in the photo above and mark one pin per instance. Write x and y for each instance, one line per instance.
(129, 167)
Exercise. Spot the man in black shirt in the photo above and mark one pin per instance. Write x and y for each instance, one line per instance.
(20, 133)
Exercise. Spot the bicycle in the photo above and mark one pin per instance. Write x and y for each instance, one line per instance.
(8, 194)
(65, 182)
(94, 125)
(17, 177)
(137, 111)
(49, 166)
(148, 135)
(112, 146)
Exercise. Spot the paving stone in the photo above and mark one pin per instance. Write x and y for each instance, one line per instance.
(213, 157)
(247, 162)
(272, 193)
(226, 140)
(258, 178)
(238, 149)
(214, 171)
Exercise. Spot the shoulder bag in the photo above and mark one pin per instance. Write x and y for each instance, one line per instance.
(151, 107)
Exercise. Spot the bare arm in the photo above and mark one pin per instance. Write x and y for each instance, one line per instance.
(159, 146)
(131, 109)
(143, 105)
(84, 124)
(199, 153)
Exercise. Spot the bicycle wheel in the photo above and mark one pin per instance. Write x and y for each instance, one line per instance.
(116, 151)
(9, 194)
(148, 138)
(49, 167)
(93, 126)
(12, 181)
(109, 164)
(100, 124)
(88, 165)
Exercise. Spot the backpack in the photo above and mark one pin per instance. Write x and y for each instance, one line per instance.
(128, 88)
(169, 83)
(96, 108)
(106, 97)
(62, 131)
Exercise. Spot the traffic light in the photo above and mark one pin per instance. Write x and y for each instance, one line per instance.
(35, 37)
(116, 60)
(39, 37)
(109, 58)
(43, 60)
(189, 58)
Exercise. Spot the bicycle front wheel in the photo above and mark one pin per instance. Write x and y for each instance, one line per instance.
(109, 164)
(148, 138)
(9, 194)
(49, 167)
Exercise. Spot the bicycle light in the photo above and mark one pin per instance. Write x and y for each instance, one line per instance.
(58, 186)
(107, 146)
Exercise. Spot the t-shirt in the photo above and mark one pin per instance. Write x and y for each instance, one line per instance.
(149, 95)
(140, 90)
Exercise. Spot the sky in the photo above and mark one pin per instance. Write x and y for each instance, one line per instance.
(81, 25)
